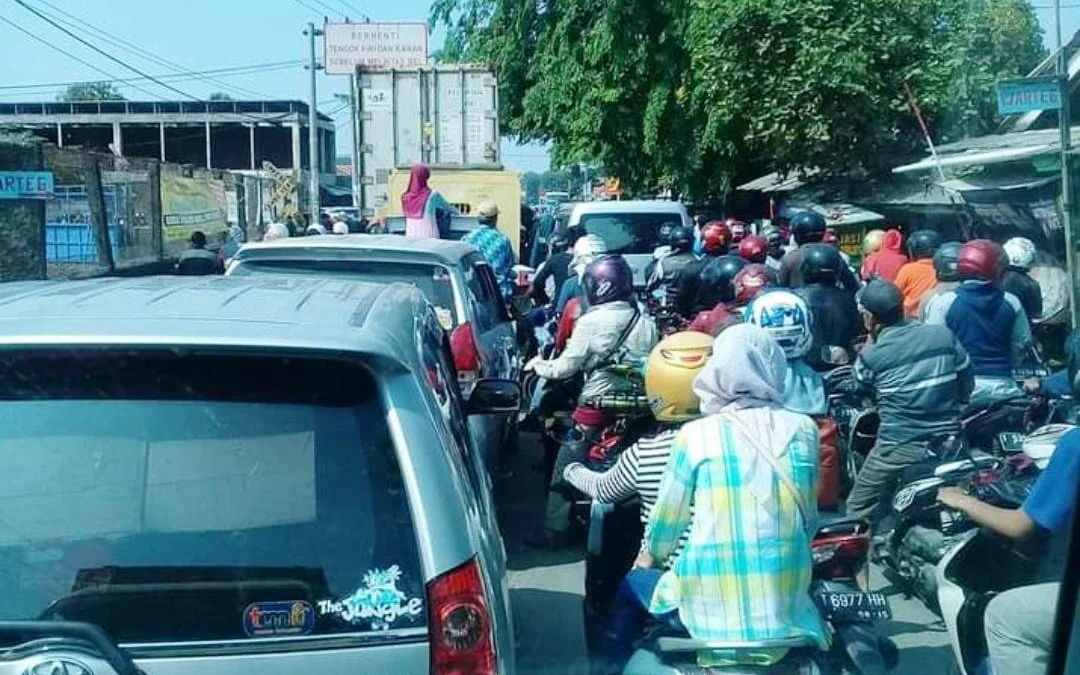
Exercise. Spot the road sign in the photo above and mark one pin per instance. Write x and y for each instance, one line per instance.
(26, 185)
(374, 45)
(1027, 95)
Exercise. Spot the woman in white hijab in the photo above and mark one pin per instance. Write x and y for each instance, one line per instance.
(750, 469)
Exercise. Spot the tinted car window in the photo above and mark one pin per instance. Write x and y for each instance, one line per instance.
(180, 498)
(627, 233)
(485, 301)
(433, 281)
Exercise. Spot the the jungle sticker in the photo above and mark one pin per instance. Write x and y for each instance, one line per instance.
(379, 601)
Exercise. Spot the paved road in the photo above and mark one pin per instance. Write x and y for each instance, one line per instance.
(547, 589)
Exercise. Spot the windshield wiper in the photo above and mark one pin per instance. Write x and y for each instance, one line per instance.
(85, 634)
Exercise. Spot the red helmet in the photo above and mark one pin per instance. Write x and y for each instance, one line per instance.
(737, 228)
(753, 249)
(752, 281)
(715, 238)
(830, 237)
(980, 259)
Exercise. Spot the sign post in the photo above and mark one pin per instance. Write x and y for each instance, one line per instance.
(26, 185)
(1015, 97)
(374, 45)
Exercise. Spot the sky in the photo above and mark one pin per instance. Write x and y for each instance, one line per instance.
(197, 35)
(201, 35)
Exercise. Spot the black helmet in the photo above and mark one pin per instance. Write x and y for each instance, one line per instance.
(608, 278)
(558, 243)
(923, 244)
(945, 261)
(808, 227)
(821, 263)
(665, 232)
(717, 283)
(682, 238)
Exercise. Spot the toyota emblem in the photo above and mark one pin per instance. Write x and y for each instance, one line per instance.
(58, 667)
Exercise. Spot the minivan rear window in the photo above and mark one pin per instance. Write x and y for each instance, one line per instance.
(178, 497)
(628, 233)
(433, 281)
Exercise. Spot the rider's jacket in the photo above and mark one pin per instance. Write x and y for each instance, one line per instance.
(596, 335)
(668, 269)
(836, 320)
(988, 322)
(920, 375)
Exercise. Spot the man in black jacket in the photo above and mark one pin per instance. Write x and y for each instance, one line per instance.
(835, 315)
(920, 376)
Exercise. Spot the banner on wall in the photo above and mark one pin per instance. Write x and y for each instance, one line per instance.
(190, 204)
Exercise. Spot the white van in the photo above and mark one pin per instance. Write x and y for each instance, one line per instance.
(630, 228)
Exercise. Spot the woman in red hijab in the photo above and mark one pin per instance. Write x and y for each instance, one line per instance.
(424, 207)
(886, 263)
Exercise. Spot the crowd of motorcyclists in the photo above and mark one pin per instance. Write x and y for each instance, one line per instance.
(731, 341)
(706, 398)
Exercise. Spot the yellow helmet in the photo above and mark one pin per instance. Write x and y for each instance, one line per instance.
(670, 372)
(872, 241)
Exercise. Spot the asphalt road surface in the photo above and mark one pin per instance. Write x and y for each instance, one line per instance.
(547, 590)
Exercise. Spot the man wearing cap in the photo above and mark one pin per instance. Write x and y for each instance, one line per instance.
(494, 246)
(920, 376)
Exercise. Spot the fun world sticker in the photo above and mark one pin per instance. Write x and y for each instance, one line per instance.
(379, 602)
(276, 619)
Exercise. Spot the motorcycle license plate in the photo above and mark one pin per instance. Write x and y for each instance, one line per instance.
(854, 606)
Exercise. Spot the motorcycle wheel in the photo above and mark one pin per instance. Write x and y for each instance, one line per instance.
(890, 653)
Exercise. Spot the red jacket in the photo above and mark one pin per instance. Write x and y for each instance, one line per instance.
(714, 321)
(887, 262)
(565, 327)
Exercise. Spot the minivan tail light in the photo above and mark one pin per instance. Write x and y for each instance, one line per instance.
(460, 624)
(465, 352)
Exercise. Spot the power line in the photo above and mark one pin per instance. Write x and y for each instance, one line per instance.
(224, 72)
(101, 51)
(308, 7)
(67, 53)
(352, 8)
(78, 23)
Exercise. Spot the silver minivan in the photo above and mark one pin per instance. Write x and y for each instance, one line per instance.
(227, 475)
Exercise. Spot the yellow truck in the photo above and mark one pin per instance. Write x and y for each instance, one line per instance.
(465, 189)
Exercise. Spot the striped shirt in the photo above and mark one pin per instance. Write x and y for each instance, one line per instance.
(637, 471)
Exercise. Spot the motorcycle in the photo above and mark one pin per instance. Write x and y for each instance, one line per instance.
(839, 551)
(920, 531)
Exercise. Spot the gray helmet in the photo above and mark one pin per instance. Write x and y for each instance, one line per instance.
(945, 261)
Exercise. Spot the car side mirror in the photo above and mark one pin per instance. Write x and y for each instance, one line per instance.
(492, 396)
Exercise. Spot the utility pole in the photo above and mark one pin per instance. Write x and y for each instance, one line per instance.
(1066, 178)
(357, 196)
(313, 126)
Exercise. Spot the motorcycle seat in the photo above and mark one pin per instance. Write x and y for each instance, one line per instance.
(674, 645)
(839, 524)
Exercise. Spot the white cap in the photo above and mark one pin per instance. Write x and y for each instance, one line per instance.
(276, 231)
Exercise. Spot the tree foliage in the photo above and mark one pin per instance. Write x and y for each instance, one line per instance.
(91, 91)
(694, 94)
(220, 96)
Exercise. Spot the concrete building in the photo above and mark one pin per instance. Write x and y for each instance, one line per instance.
(235, 135)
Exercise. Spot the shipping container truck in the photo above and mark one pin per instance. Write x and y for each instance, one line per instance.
(465, 189)
(444, 116)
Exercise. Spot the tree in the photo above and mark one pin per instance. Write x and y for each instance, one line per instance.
(695, 94)
(91, 91)
(220, 96)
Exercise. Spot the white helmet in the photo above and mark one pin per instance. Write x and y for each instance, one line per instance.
(315, 228)
(586, 249)
(1020, 252)
(276, 231)
(786, 318)
(341, 227)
